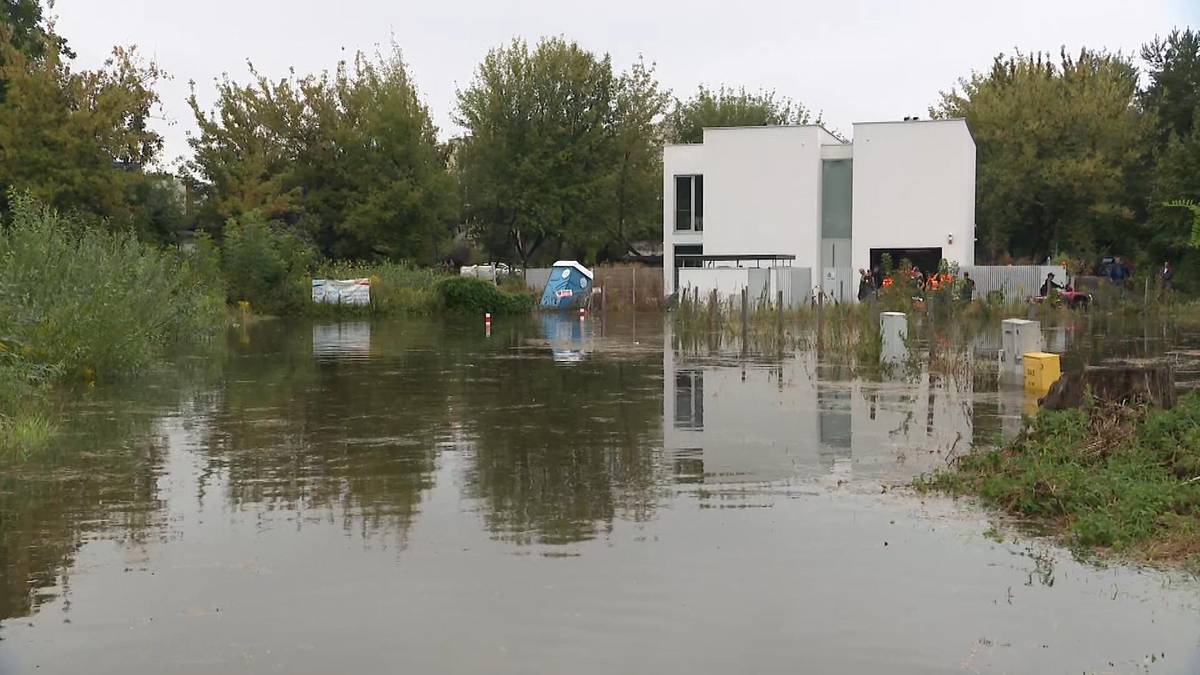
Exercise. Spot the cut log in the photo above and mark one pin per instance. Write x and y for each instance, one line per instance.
(1120, 385)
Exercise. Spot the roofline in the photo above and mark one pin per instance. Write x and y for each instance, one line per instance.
(940, 119)
(773, 126)
(573, 263)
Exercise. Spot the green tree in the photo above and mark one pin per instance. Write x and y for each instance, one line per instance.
(728, 107)
(158, 208)
(76, 140)
(537, 163)
(1172, 100)
(350, 158)
(1172, 94)
(1060, 144)
(24, 25)
(639, 108)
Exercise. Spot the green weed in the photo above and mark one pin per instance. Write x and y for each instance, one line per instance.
(1123, 479)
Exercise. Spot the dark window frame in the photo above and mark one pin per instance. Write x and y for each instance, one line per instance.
(694, 212)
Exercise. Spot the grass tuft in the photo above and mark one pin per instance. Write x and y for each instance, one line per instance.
(1102, 477)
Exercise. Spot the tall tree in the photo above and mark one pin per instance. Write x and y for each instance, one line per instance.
(639, 107)
(77, 140)
(1059, 147)
(24, 25)
(1173, 92)
(350, 158)
(537, 161)
(728, 107)
(1172, 100)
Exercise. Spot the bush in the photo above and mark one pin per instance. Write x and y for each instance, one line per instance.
(89, 301)
(1109, 477)
(464, 294)
(266, 267)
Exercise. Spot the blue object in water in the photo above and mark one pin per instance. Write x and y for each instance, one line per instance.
(568, 287)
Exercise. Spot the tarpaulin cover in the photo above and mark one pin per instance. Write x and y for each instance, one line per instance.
(342, 291)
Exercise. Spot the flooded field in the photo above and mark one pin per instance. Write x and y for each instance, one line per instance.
(557, 497)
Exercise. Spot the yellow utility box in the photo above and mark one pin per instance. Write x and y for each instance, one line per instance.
(1041, 370)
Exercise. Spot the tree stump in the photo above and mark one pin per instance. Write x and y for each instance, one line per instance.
(1117, 384)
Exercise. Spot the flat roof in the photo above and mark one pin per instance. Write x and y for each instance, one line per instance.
(939, 119)
(815, 126)
(762, 126)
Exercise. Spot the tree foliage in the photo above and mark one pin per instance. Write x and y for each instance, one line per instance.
(728, 107)
(1059, 146)
(558, 149)
(78, 139)
(1172, 101)
(1172, 95)
(639, 107)
(24, 25)
(349, 158)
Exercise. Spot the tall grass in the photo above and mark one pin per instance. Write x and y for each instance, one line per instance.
(79, 301)
(1106, 476)
(96, 302)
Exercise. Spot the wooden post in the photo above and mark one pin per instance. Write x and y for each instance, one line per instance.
(745, 317)
(635, 287)
(779, 312)
(712, 310)
(820, 310)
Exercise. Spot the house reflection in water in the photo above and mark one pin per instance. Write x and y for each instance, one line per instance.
(729, 421)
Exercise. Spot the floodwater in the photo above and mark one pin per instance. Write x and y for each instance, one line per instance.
(557, 497)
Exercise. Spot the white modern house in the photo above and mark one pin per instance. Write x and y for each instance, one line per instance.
(751, 199)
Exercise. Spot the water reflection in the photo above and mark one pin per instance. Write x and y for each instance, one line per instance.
(341, 340)
(341, 433)
(453, 451)
(557, 454)
(570, 337)
(99, 480)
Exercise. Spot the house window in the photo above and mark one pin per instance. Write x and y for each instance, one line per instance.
(689, 203)
(689, 399)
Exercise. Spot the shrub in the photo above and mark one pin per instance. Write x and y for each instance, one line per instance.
(1112, 477)
(91, 301)
(464, 294)
(266, 267)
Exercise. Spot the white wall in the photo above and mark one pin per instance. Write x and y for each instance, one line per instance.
(914, 184)
(762, 192)
(678, 160)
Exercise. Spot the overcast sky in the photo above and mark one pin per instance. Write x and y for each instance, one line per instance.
(854, 60)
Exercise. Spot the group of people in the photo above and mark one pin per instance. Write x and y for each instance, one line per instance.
(870, 282)
(1119, 272)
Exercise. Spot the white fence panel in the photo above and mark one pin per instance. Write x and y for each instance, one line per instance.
(839, 284)
(796, 284)
(536, 277)
(1016, 282)
(728, 282)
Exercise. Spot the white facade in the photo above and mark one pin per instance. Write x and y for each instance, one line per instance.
(914, 187)
(898, 185)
